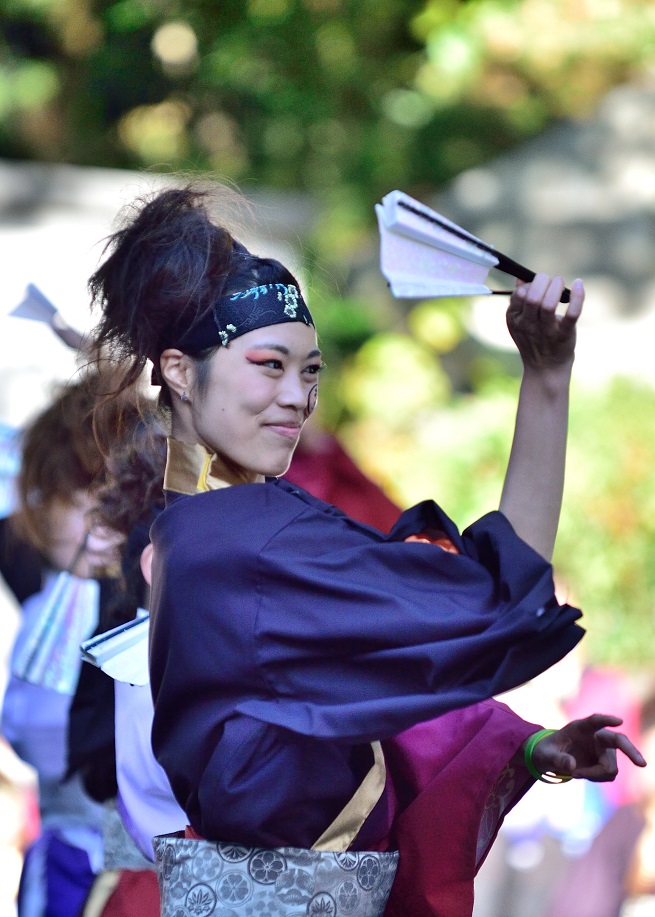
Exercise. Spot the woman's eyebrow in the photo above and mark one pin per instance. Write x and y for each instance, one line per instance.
(280, 348)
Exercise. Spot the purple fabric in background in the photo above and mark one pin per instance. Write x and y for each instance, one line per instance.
(65, 876)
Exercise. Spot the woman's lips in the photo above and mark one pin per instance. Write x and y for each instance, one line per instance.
(289, 431)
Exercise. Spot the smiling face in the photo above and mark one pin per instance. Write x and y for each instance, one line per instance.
(257, 394)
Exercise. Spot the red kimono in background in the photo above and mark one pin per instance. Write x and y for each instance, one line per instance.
(325, 470)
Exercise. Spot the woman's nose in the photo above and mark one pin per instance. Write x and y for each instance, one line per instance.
(293, 392)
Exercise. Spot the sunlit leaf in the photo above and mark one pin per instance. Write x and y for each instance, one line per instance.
(393, 377)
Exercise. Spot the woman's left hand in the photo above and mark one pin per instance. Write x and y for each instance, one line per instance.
(544, 338)
(585, 749)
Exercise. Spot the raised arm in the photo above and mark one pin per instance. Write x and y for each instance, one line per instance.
(534, 482)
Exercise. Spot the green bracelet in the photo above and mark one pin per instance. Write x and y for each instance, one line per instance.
(530, 746)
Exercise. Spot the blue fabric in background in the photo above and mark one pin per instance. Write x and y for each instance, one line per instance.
(9, 467)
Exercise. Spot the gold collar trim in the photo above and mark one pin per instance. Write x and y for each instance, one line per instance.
(191, 469)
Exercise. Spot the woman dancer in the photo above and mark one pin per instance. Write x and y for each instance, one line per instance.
(287, 639)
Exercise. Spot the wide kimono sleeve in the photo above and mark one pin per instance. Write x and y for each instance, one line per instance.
(272, 606)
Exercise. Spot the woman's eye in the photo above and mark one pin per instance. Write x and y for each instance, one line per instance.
(269, 364)
(314, 369)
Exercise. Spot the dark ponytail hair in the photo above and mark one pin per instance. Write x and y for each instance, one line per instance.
(164, 269)
(129, 502)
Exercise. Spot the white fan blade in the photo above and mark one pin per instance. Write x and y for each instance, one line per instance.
(403, 215)
(122, 652)
(422, 259)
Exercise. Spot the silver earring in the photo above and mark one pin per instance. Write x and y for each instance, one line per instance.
(183, 398)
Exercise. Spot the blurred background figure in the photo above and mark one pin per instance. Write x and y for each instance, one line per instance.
(19, 820)
(127, 505)
(61, 582)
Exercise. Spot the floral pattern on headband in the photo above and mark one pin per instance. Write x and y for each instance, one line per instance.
(287, 293)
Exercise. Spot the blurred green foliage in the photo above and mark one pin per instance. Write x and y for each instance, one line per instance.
(457, 453)
(346, 100)
(342, 98)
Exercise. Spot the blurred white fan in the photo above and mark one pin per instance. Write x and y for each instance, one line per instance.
(423, 255)
(122, 652)
(38, 308)
(50, 653)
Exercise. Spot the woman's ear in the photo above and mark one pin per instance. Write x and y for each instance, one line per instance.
(176, 368)
(146, 563)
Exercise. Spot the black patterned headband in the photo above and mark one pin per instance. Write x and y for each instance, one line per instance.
(241, 312)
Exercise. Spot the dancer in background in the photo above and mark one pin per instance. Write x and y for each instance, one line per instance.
(65, 584)
(60, 469)
(126, 507)
(289, 639)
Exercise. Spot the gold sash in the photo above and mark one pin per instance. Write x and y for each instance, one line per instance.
(346, 826)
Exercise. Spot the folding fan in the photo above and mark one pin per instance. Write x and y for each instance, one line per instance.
(122, 652)
(423, 255)
(49, 653)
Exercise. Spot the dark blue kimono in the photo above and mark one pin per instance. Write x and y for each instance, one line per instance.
(286, 637)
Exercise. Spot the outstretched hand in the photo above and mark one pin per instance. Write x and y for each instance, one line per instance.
(544, 338)
(585, 749)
